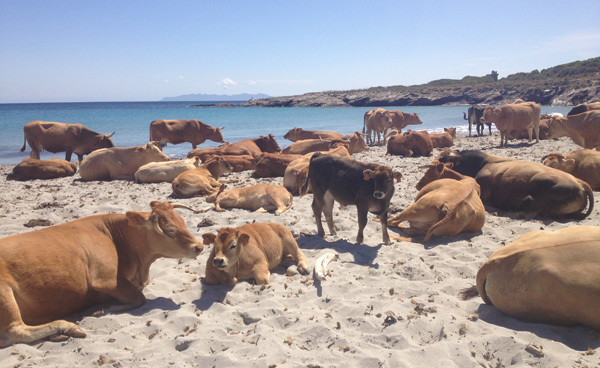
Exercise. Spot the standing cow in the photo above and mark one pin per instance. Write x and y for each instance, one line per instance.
(63, 137)
(475, 113)
(179, 131)
(515, 116)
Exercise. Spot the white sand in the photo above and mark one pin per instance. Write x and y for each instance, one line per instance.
(296, 321)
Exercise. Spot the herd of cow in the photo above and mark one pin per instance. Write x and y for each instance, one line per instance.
(115, 251)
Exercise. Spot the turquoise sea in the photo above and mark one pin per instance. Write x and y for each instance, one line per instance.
(131, 121)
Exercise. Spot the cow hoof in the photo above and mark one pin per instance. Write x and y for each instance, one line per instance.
(75, 332)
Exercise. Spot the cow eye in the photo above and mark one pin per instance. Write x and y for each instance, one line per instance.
(232, 245)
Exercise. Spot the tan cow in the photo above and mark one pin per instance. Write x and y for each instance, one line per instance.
(445, 139)
(250, 252)
(166, 171)
(376, 122)
(583, 164)
(515, 116)
(297, 171)
(202, 180)
(583, 129)
(298, 134)
(31, 169)
(119, 162)
(401, 120)
(545, 276)
(204, 153)
(355, 144)
(180, 131)
(258, 198)
(60, 270)
(447, 204)
(63, 137)
(269, 165)
(410, 144)
(253, 147)
(237, 162)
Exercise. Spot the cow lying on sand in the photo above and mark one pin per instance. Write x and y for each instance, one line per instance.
(258, 197)
(166, 171)
(368, 186)
(50, 273)
(515, 185)
(250, 252)
(202, 180)
(545, 276)
(31, 168)
(447, 204)
(410, 144)
(298, 134)
(583, 164)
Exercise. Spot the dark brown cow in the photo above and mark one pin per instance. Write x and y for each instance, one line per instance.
(410, 144)
(269, 165)
(63, 137)
(31, 169)
(583, 108)
(180, 131)
(50, 273)
(367, 186)
(298, 134)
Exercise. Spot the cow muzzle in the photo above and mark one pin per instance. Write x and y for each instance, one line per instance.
(378, 194)
(220, 262)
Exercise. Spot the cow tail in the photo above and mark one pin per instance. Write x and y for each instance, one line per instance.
(469, 293)
(304, 188)
(24, 142)
(589, 195)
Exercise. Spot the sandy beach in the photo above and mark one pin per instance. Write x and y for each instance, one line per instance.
(383, 305)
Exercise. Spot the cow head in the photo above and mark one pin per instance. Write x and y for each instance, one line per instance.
(216, 135)
(451, 131)
(217, 166)
(490, 114)
(267, 144)
(292, 134)
(559, 161)
(556, 128)
(383, 180)
(357, 143)
(167, 234)
(152, 153)
(228, 246)
(435, 171)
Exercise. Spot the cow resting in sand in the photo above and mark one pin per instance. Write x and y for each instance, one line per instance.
(63, 137)
(202, 180)
(256, 198)
(180, 131)
(166, 171)
(250, 252)
(367, 186)
(545, 276)
(50, 273)
(31, 169)
(583, 164)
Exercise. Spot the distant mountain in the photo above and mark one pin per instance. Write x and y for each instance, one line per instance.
(208, 97)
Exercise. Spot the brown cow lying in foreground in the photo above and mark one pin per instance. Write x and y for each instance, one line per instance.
(447, 204)
(250, 252)
(367, 186)
(50, 273)
(410, 144)
(298, 134)
(258, 197)
(31, 169)
(202, 180)
(545, 276)
(583, 164)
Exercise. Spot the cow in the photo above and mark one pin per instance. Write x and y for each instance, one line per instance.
(367, 186)
(202, 180)
(119, 162)
(583, 129)
(237, 162)
(180, 131)
(515, 116)
(355, 143)
(474, 118)
(63, 137)
(447, 204)
(583, 164)
(249, 252)
(166, 171)
(546, 277)
(51, 273)
(204, 153)
(297, 171)
(269, 165)
(256, 198)
(514, 185)
(410, 144)
(445, 139)
(583, 108)
(31, 169)
(401, 120)
(253, 147)
(377, 122)
(298, 134)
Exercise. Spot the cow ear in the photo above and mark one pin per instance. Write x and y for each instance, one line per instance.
(136, 219)
(439, 167)
(397, 176)
(208, 238)
(569, 163)
(368, 174)
(243, 239)
(449, 165)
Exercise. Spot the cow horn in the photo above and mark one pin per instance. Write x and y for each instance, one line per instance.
(179, 205)
(222, 128)
(111, 134)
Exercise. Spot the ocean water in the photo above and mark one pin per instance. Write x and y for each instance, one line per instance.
(131, 121)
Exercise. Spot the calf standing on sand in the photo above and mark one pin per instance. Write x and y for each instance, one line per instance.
(368, 186)
(250, 252)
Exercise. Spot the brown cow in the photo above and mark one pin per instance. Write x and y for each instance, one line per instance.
(545, 276)
(298, 134)
(202, 180)
(368, 186)
(544, 130)
(179, 131)
(583, 129)
(445, 139)
(447, 204)
(63, 137)
(165, 171)
(204, 153)
(515, 116)
(237, 162)
(377, 122)
(410, 144)
(258, 198)
(583, 164)
(583, 108)
(401, 119)
(119, 162)
(269, 165)
(31, 169)
(253, 147)
(355, 144)
(50, 273)
(250, 252)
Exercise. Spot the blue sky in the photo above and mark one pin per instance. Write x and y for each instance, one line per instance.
(63, 51)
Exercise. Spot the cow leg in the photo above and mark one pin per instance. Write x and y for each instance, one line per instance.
(489, 128)
(328, 212)
(529, 132)
(383, 218)
(362, 222)
(317, 206)
(68, 154)
(126, 293)
(35, 153)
